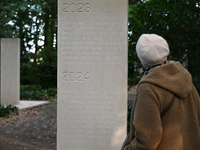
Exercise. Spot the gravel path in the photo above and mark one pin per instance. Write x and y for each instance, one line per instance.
(35, 129)
(31, 130)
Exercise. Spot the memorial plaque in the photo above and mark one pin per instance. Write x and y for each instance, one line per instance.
(92, 74)
(10, 71)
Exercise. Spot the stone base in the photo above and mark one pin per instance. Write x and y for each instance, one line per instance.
(23, 104)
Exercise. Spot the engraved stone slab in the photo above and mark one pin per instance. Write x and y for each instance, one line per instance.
(10, 71)
(92, 74)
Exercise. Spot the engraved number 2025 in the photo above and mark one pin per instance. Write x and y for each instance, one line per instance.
(75, 77)
(80, 7)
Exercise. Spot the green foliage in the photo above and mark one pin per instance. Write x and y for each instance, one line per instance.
(5, 111)
(49, 106)
(36, 92)
(35, 23)
(42, 71)
(129, 108)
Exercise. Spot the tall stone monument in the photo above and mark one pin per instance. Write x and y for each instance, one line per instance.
(10, 71)
(92, 74)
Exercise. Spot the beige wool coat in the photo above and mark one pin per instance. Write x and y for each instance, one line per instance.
(179, 128)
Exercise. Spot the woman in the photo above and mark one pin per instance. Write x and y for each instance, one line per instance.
(166, 111)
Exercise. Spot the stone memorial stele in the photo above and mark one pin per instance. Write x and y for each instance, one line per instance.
(10, 71)
(92, 74)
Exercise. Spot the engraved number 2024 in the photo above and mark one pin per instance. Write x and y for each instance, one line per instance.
(80, 7)
(75, 77)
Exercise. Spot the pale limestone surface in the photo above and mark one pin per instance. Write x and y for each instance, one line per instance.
(92, 74)
(10, 71)
(30, 104)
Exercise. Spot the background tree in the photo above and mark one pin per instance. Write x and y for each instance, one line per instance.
(34, 22)
(178, 21)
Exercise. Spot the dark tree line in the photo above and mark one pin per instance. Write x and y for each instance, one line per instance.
(178, 21)
(35, 22)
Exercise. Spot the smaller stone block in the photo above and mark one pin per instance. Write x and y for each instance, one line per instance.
(10, 71)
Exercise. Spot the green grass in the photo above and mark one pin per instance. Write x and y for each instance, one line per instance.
(51, 106)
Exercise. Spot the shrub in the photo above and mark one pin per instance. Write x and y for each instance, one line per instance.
(5, 111)
(30, 92)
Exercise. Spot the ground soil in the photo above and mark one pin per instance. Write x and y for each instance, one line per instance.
(34, 129)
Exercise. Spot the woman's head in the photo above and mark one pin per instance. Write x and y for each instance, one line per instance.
(152, 49)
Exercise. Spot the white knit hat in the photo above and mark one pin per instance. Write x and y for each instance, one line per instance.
(152, 49)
